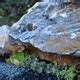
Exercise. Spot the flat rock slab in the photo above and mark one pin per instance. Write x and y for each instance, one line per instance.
(49, 28)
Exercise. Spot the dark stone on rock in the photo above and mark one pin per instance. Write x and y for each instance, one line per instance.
(49, 28)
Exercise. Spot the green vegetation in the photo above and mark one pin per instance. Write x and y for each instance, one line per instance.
(68, 72)
(33, 62)
(11, 11)
(16, 58)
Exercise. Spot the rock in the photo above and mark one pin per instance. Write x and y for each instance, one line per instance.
(3, 35)
(48, 31)
(51, 30)
(62, 1)
(3, 39)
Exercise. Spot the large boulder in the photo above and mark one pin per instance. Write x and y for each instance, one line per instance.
(49, 28)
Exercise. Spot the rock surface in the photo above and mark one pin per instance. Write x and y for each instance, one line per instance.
(49, 28)
(3, 39)
(3, 35)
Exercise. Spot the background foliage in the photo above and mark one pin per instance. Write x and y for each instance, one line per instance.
(12, 10)
(68, 72)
